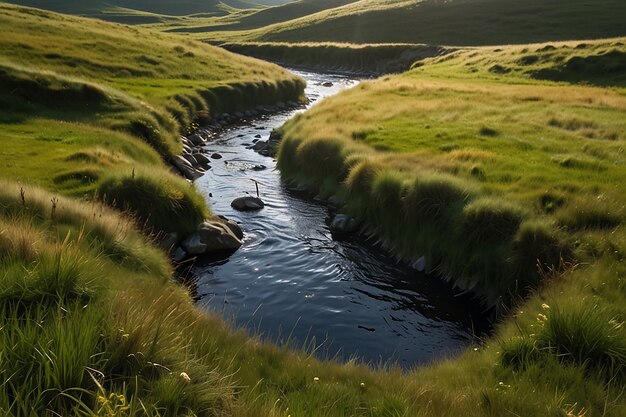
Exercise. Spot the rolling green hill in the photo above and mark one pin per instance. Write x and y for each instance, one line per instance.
(140, 11)
(456, 22)
(263, 17)
(82, 91)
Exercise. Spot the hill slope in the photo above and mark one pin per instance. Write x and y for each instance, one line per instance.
(457, 22)
(263, 17)
(139, 11)
(82, 92)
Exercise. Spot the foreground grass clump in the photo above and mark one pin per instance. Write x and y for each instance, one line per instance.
(584, 335)
(93, 325)
(162, 203)
(493, 176)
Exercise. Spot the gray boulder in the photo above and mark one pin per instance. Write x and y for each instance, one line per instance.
(419, 264)
(202, 159)
(185, 167)
(335, 200)
(219, 234)
(214, 234)
(234, 227)
(247, 203)
(192, 173)
(194, 245)
(342, 223)
(196, 139)
(179, 255)
(273, 143)
(259, 145)
(190, 158)
(180, 162)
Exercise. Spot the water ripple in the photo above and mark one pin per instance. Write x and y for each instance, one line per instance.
(291, 280)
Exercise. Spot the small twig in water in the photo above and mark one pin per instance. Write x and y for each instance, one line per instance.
(256, 183)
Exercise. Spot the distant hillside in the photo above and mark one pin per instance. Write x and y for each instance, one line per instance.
(140, 11)
(272, 2)
(452, 22)
(270, 15)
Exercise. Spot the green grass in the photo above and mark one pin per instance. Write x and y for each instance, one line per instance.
(475, 169)
(88, 333)
(100, 110)
(458, 22)
(93, 324)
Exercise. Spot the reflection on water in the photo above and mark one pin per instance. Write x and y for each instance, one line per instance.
(292, 280)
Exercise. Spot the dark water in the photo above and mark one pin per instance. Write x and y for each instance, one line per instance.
(292, 280)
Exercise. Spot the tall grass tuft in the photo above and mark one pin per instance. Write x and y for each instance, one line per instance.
(586, 334)
(91, 227)
(18, 239)
(160, 204)
(489, 220)
(48, 352)
(519, 352)
(435, 199)
(580, 334)
(362, 176)
(322, 158)
(388, 193)
(538, 246)
(59, 275)
(590, 213)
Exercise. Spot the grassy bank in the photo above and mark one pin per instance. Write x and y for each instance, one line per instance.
(480, 160)
(102, 108)
(374, 59)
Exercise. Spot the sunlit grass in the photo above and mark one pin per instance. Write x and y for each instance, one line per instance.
(486, 153)
(470, 22)
(97, 104)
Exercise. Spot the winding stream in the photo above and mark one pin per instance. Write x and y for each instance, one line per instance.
(292, 281)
